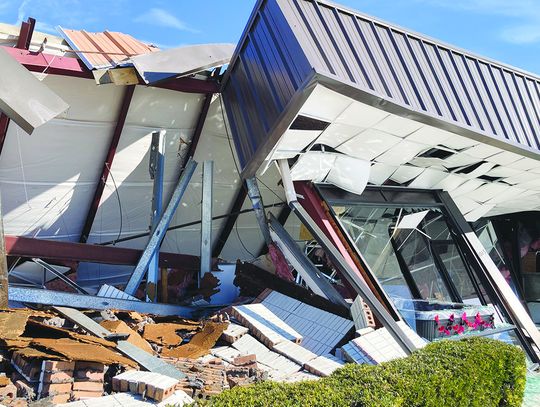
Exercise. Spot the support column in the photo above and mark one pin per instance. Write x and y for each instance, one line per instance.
(161, 229)
(157, 167)
(256, 201)
(206, 218)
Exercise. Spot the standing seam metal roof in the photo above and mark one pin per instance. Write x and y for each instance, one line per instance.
(104, 49)
(289, 44)
(417, 72)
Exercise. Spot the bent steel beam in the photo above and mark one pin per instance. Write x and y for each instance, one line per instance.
(63, 299)
(206, 219)
(341, 264)
(315, 280)
(54, 250)
(161, 229)
(157, 169)
(122, 114)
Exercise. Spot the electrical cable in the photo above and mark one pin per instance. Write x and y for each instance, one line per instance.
(119, 205)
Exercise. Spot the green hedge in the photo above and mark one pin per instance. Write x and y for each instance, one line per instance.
(471, 372)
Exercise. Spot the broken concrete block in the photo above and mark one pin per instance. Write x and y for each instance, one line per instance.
(323, 365)
(294, 352)
(265, 325)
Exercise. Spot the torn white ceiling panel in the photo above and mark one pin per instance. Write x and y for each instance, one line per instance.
(401, 153)
(467, 187)
(504, 158)
(379, 173)
(295, 141)
(398, 126)
(429, 178)
(338, 133)
(344, 166)
(482, 151)
(405, 173)
(450, 183)
(487, 191)
(361, 115)
(434, 135)
(323, 104)
(479, 212)
(176, 62)
(369, 144)
(23, 98)
(313, 165)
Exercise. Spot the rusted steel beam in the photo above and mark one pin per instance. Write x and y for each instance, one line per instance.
(68, 66)
(58, 251)
(199, 127)
(128, 94)
(25, 34)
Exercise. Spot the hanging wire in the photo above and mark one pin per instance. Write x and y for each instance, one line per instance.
(119, 205)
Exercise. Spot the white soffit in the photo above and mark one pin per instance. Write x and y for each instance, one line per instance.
(338, 133)
(314, 166)
(394, 144)
(294, 141)
(369, 144)
(344, 166)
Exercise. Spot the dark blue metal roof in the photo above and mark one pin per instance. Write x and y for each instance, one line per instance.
(290, 45)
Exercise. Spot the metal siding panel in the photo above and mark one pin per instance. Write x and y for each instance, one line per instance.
(290, 39)
(512, 103)
(519, 94)
(371, 68)
(473, 92)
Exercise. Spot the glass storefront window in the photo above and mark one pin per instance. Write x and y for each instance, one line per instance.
(411, 251)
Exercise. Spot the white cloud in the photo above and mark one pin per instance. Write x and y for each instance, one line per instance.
(162, 18)
(523, 16)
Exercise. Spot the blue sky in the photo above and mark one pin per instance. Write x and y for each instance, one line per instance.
(506, 30)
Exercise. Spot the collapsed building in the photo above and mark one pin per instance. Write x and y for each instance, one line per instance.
(333, 189)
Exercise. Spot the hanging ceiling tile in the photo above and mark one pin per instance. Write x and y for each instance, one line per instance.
(369, 144)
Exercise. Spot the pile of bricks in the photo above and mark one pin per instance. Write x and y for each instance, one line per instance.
(88, 380)
(56, 380)
(61, 381)
(150, 385)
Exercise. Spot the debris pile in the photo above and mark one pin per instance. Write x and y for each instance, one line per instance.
(67, 356)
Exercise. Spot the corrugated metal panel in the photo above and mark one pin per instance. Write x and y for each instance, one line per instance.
(105, 49)
(287, 40)
(269, 69)
(417, 72)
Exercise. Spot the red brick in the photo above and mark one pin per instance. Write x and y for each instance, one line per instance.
(88, 386)
(81, 395)
(89, 375)
(55, 365)
(51, 389)
(18, 402)
(57, 377)
(245, 360)
(92, 366)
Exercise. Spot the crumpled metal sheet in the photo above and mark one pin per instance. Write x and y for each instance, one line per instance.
(24, 98)
(183, 61)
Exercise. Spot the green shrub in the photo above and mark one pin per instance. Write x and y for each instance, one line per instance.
(471, 372)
